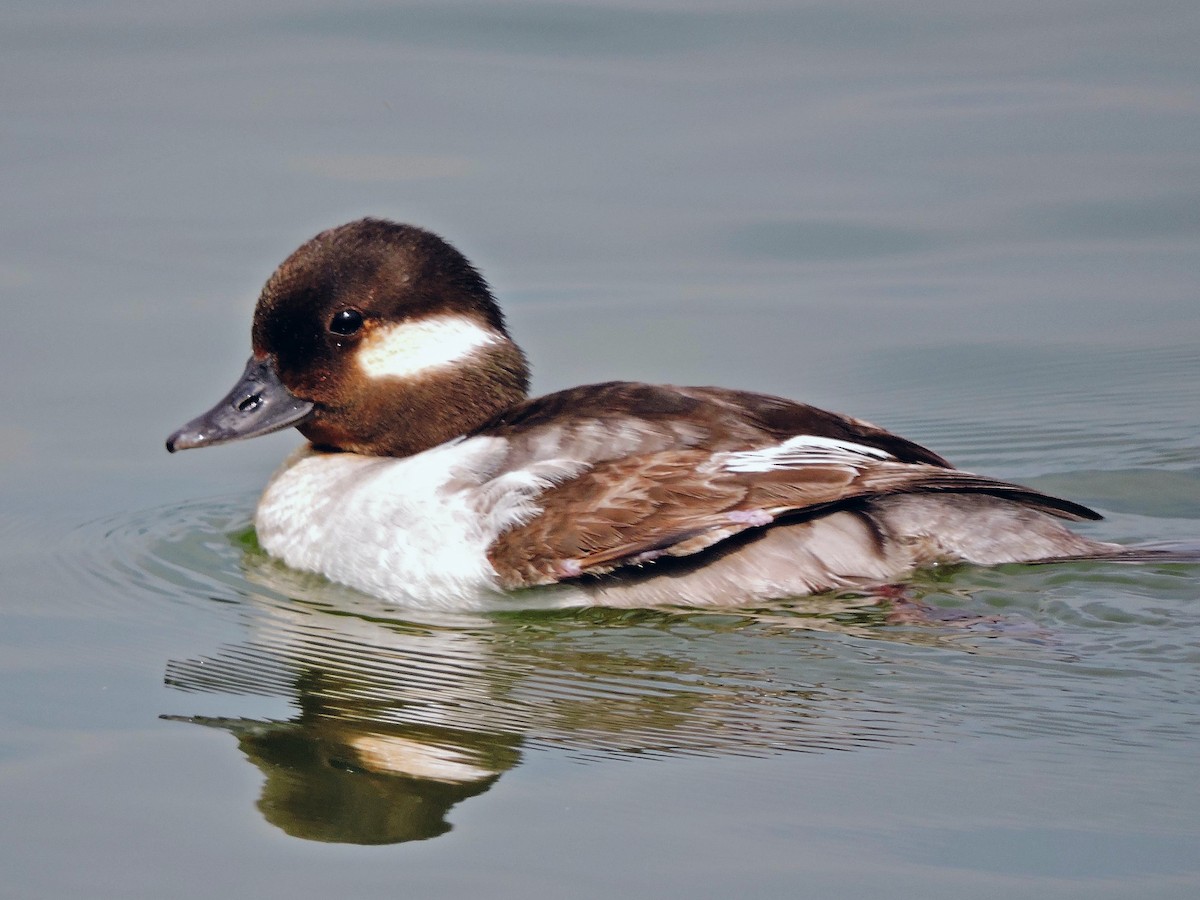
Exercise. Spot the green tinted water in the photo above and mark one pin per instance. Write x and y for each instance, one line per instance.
(973, 227)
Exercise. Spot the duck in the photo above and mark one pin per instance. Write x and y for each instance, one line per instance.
(431, 478)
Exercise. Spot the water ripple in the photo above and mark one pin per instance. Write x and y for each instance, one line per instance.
(130, 563)
(1060, 650)
(394, 716)
(1020, 412)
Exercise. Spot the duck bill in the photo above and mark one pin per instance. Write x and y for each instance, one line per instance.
(258, 404)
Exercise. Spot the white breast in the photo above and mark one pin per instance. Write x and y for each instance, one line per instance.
(412, 530)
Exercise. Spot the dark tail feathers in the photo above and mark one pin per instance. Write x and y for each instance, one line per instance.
(1161, 552)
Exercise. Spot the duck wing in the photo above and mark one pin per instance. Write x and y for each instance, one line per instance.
(631, 510)
(600, 422)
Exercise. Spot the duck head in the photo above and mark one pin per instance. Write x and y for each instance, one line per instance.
(375, 338)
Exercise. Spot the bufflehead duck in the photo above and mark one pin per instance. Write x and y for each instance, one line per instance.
(430, 477)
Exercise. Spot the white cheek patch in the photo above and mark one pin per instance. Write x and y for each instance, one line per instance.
(408, 349)
(803, 450)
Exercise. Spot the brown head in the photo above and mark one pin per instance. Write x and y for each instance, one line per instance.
(373, 337)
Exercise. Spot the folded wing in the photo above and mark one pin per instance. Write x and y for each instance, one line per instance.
(632, 510)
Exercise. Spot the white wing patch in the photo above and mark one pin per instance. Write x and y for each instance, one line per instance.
(408, 349)
(803, 450)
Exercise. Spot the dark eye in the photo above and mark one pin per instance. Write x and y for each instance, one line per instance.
(346, 322)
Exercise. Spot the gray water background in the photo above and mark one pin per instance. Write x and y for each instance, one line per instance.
(975, 224)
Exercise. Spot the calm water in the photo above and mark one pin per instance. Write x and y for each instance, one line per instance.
(978, 227)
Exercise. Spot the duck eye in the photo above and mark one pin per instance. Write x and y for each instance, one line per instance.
(346, 322)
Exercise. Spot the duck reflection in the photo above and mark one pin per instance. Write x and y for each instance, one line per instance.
(334, 780)
(393, 722)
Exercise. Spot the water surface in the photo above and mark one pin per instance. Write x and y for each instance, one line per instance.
(975, 226)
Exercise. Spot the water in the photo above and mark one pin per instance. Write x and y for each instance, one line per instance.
(974, 226)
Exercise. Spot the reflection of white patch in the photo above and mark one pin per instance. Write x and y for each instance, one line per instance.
(414, 347)
(803, 450)
(394, 755)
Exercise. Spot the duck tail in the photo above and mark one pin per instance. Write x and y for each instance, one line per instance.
(1157, 552)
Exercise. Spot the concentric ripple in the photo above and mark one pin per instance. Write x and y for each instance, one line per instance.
(142, 563)
(1067, 650)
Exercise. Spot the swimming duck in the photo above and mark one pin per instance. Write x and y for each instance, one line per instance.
(431, 478)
